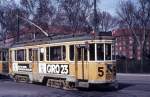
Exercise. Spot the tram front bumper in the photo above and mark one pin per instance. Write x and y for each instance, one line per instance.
(101, 81)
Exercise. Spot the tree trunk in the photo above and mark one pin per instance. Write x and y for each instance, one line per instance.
(142, 60)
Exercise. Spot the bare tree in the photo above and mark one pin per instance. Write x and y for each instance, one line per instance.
(74, 13)
(137, 19)
(41, 12)
(8, 19)
(105, 21)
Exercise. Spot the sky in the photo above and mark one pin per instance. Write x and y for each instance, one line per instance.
(109, 6)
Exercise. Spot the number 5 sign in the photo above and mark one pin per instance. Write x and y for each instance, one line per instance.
(100, 71)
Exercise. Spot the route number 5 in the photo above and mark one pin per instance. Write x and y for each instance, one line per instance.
(100, 71)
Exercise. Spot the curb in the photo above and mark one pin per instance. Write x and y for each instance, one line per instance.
(130, 74)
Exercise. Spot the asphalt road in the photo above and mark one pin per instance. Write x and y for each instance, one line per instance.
(130, 86)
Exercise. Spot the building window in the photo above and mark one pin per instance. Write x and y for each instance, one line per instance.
(100, 51)
(92, 52)
(20, 55)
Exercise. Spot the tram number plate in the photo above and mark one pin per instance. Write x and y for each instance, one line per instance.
(57, 68)
(100, 71)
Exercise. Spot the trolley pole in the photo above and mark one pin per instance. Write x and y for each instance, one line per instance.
(95, 18)
(18, 26)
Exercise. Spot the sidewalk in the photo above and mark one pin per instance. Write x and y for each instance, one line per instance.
(131, 74)
(133, 78)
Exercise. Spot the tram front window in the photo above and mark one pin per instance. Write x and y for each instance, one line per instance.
(92, 52)
(108, 51)
(100, 51)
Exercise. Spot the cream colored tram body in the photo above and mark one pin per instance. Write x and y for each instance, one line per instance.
(71, 62)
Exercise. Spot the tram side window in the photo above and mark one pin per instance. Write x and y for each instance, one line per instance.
(33, 55)
(0, 56)
(108, 51)
(79, 54)
(47, 53)
(85, 54)
(92, 51)
(20, 55)
(3, 55)
(41, 54)
(100, 51)
(63, 53)
(57, 53)
(71, 52)
(113, 52)
(30, 55)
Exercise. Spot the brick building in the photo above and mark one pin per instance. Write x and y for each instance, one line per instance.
(125, 44)
(129, 53)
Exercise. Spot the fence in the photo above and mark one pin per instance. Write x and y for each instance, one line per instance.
(125, 65)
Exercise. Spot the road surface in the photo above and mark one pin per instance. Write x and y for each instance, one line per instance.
(130, 86)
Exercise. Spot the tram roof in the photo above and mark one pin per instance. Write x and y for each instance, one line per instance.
(65, 38)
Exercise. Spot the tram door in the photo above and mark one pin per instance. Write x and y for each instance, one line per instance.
(81, 62)
(34, 61)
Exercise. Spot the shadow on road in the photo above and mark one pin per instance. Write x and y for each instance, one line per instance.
(5, 77)
(101, 88)
(106, 88)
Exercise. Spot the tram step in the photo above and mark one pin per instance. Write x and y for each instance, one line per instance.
(83, 84)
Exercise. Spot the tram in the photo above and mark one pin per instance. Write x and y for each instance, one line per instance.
(71, 62)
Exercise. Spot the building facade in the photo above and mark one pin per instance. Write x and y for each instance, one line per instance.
(126, 45)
